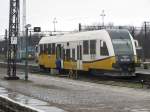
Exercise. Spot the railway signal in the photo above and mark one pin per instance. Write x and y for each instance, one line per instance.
(37, 29)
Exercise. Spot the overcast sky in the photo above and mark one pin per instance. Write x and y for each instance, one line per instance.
(71, 12)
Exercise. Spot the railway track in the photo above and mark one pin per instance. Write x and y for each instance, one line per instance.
(133, 82)
(138, 81)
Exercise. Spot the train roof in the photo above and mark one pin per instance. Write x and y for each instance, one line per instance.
(88, 35)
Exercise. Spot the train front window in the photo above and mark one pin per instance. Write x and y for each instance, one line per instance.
(121, 41)
(122, 46)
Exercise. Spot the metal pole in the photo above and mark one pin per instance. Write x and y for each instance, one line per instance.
(13, 33)
(6, 44)
(26, 61)
(24, 16)
(80, 27)
(54, 22)
(145, 26)
(144, 42)
(103, 15)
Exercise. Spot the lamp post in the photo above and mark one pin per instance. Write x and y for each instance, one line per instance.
(54, 22)
(103, 15)
(26, 60)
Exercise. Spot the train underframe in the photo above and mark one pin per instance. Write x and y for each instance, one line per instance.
(119, 70)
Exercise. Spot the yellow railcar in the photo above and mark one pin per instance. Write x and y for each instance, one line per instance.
(105, 51)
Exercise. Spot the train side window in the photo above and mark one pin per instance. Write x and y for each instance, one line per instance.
(78, 57)
(64, 54)
(79, 52)
(53, 48)
(103, 49)
(45, 48)
(41, 48)
(67, 54)
(80, 47)
(49, 48)
(86, 47)
(73, 54)
(92, 46)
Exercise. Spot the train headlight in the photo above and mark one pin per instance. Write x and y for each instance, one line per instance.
(125, 60)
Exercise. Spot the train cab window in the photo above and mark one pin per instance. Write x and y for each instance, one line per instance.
(53, 48)
(103, 49)
(92, 46)
(86, 47)
(49, 48)
(67, 54)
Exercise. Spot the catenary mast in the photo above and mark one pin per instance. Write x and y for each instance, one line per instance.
(14, 22)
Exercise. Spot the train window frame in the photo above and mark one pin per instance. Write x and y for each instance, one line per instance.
(103, 48)
(92, 47)
(101, 43)
(86, 47)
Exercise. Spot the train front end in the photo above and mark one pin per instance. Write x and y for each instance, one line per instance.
(125, 53)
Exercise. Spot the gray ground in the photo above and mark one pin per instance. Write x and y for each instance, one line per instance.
(78, 96)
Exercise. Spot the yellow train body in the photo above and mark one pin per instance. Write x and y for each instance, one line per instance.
(108, 50)
(49, 62)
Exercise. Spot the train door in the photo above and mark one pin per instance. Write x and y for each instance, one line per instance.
(59, 53)
(79, 56)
